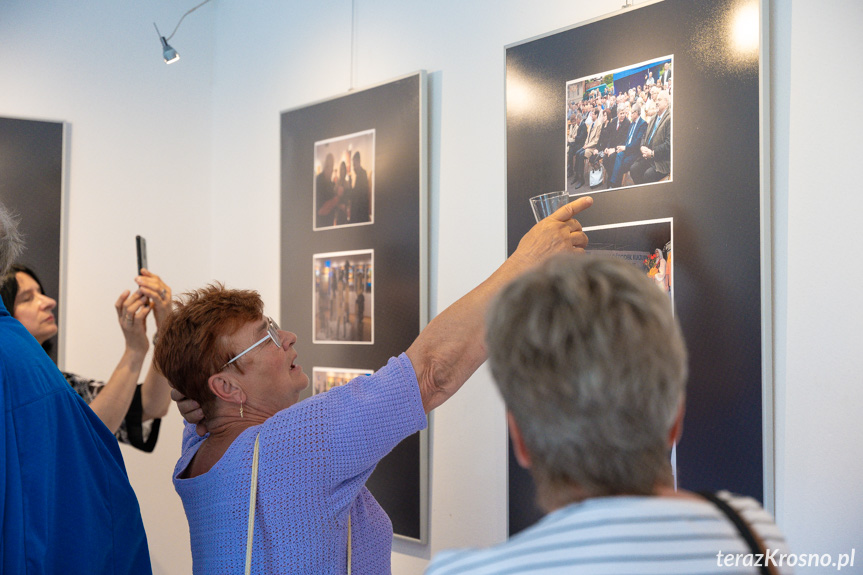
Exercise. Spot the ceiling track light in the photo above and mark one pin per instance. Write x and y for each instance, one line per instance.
(168, 53)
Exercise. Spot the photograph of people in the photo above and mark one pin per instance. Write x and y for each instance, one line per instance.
(130, 411)
(313, 513)
(343, 299)
(645, 244)
(326, 378)
(632, 147)
(344, 180)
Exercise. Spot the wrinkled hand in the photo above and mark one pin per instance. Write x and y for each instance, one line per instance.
(559, 232)
(191, 411)
(158, 292)
(132, 310)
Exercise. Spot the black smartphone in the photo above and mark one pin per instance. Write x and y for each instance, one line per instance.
(141, 244)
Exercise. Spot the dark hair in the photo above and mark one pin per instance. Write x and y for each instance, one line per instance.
(9, 291)
(9, 286)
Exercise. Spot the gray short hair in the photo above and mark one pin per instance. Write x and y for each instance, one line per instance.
(591, 363)
(11, 243)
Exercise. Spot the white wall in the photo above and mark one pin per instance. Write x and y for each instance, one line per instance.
(211, 212)
(140, 155)
(819, 341)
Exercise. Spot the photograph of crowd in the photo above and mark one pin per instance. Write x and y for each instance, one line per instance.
(326, 378)
(343, 297)
(646, 245)
(618, 128)
(344, 180)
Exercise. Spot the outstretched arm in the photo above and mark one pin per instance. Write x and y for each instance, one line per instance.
(452, 346)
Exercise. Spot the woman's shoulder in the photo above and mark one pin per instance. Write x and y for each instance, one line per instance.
(208, 458)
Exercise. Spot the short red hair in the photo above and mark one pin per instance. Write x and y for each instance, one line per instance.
(193, 342)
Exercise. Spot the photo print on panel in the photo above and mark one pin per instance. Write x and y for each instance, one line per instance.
(646, 245)
(618, 128)
(344, 180)
(326, 378)
(343, 298)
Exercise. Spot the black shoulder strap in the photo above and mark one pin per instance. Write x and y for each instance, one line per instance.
(134, 425)
(742, 527)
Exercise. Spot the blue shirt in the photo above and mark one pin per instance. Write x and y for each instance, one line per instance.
(66, 505)
(315, 458)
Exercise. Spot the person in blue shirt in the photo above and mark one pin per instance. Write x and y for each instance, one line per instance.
(66, 504)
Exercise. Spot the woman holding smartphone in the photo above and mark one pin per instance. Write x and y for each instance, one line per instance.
(132, 412)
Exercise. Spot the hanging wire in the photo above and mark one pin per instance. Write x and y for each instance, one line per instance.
(353, 29)
(181, 19)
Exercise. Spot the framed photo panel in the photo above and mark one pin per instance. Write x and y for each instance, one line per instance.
(354, 254)
(31, 185)
(693, 70)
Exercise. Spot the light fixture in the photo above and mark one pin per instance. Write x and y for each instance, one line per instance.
(168, 53)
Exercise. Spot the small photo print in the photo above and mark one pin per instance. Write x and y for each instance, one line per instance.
(343, 297)
(326, 378)
(344, 181)
(617, 128)
(646, 244)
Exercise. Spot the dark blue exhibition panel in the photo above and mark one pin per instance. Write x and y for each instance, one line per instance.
(374, 248)
(31, 184)
(712, 199)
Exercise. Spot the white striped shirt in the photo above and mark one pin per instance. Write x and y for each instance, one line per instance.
(625, 536)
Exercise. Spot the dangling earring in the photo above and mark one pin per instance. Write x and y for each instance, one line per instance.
(241, 410)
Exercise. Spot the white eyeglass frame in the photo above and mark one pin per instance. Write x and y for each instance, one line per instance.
(272, 333)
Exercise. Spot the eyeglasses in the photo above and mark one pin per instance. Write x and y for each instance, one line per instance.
(272, 333)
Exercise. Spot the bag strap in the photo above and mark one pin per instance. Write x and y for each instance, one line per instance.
(253, 494)
(349, 542)
(751, 538)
